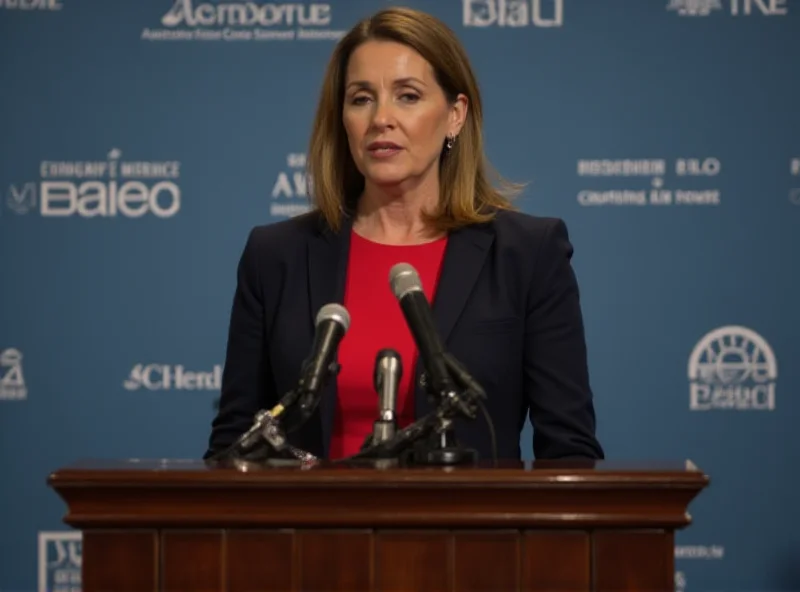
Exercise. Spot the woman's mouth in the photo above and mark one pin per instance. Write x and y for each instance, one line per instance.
(383, 149)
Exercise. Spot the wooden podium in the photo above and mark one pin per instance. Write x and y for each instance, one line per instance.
(184, 526)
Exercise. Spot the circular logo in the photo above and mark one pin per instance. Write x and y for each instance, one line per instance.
(732, 355)
(732, 367)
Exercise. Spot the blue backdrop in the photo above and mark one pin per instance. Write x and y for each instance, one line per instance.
(142, 139)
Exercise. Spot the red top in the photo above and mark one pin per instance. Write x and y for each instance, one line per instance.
(376, 323)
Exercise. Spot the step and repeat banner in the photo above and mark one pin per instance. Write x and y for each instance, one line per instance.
(142, 139)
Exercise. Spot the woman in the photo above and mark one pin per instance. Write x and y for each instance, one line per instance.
(399, 176)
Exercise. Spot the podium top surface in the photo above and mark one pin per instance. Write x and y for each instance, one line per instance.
(574, 472)
(159, 493)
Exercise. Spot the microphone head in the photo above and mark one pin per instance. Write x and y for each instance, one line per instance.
(387, 359)
(403, 278)
(334, 312)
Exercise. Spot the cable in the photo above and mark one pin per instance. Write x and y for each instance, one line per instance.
(492, 434)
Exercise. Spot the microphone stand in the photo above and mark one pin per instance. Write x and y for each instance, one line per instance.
(266, 439)
(264, 442)
(431, 440)
(441, 446)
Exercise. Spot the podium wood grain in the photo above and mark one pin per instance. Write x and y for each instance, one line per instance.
(184, 525)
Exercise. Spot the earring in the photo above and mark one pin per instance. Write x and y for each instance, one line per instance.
(449, 143)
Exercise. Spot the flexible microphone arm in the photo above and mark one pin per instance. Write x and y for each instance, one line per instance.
(265, 440)
(402, 440)
(253, 440)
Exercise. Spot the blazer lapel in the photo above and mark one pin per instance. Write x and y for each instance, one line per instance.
(463, 260)
(327, 272)
(466, 251)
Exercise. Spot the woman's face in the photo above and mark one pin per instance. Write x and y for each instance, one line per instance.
(396, 115)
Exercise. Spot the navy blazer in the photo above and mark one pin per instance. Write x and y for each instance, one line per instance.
(506, 306)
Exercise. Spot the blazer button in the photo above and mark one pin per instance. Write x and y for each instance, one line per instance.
(423, 380)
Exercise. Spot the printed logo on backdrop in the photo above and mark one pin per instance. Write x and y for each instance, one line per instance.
(226, 20)
(60, 560)
(794, 171)
(12, 381)
(689, 552)
(32, 4)
(166, 377)
(691, 182)
(101, 188)
(732, 368)
(291, 189)
(680, 581)
(693, 8)
(699, 552)
(513, 13)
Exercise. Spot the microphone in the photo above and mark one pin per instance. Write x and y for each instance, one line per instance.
(332, 323)
(407, 287)
(388, 371)
(462, 377)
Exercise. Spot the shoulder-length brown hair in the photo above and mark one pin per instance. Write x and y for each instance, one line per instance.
(466, 195)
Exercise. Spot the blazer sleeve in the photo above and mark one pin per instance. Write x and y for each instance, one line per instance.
(556, 373)
(246, 378)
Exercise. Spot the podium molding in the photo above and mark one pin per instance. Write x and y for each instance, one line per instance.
(545, 525)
